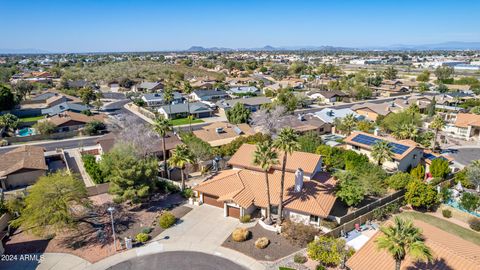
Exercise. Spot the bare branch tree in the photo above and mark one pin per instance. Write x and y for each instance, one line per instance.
(269, 121)
(134, 131)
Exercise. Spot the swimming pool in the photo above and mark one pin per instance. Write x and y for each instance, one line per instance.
(455, 204)
(26, 132)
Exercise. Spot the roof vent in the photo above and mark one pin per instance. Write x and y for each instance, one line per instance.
(219, 130)
(301, 117)
(330, 113)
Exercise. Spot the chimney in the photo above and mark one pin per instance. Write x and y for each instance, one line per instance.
(376, 131)
(298, 180)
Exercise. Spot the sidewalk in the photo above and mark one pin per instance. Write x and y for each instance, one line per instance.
(50, 261)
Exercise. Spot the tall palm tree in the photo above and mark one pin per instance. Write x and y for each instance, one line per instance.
(168, 96)
(180, 158)
(286, 141)
(403, 238)
(382, 151)
(264, 156)
(162, 126)
(349, 122)
(437, 124)
(187, 89)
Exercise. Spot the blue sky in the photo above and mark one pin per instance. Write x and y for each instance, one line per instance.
(82, 26)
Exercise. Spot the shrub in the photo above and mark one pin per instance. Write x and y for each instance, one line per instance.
(320, 267)
(262, 242)
(328, 250)
(167, 220)
(147, 230)
(447, 213)
(299, 258)
(439, 168)
(399, 180)
(245, 218)
(93, 127)
(93, 169)
(474, 224)
(470, 201)
(142, 237)
(187, 193)
(298, 234)
(44, 127)
(167, 186)
(240, 234)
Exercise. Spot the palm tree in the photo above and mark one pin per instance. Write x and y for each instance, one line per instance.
(187, 89)
(264, 156)
(436, 124)
(168, 96)
(162, 126)
(287, 141)
(180, 158)
(349, 122)
(382, 151)
(403, 238)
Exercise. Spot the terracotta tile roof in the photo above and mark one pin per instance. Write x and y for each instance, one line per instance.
(411, 144)
(467, 119)
(243, 158)
(246, 188)
(23, 157)
(67, 116)
(209, 134)
(449, 251)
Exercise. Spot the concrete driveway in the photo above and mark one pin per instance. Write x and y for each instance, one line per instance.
(203, 229)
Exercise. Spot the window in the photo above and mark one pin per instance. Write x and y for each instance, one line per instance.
(314, 219)
(321, 129)
(355, 147)
(274, 210)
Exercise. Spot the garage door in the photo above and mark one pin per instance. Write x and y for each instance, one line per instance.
(212, 200)
(233, 212)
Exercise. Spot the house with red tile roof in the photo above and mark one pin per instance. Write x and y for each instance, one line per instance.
(465, 126)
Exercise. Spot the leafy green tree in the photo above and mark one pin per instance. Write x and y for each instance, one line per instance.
(444, 74)
(87, 95)
(131, 177)
(309, 142)
(440, 168)
(390, 73)
(424, 76)
(395, 122)
(423, 87)
(201, 150)
(287, 99)
(399, 180)
(349, 189)
(442, 88)
(473, 174)
(279, 71)
(7, 99)
(402, 239)
(420, 194)
(93, 169)
(163, 126)
(365, 126)
(264, 156)
(180, 158)
(382, 151)
(232, 147)
(346, 124)
(470, 201)
(238, 114)
(475, 110)
(375, 80)
(54, 203)
(94, 127)
(9, 121)
(418, 172)
(23, 89)
(329, 250)
(288, 142)
(44, 127)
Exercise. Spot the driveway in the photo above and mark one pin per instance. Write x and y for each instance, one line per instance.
(178, 260)
(202, 230)
(465, 155)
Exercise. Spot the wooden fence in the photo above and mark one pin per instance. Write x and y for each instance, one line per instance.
(4, 219)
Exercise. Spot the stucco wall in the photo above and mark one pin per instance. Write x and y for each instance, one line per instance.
(23, 178)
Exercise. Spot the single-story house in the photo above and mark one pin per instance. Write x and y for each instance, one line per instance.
(328, 96)
(304, 123)
(156, 99)
(77, 84)
(208, 95)
(180, 110)
(243, 90)
(449, 252)
(66, 106)
(22, 166)
(252, 103)
(406, 153)
(147, 87)
(391, 88)
(328, 115)
(308, 192)
(371, 111)
(220, 133)
(69, 121)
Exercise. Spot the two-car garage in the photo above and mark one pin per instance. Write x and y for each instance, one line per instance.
(212, 200)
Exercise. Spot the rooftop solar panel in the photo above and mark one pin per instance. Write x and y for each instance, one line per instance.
(367, 140)
(431, 157)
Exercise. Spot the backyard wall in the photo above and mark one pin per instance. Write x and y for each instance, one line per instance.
(38, 137)
(4, 219)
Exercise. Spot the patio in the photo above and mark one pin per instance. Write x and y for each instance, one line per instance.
(358, 237)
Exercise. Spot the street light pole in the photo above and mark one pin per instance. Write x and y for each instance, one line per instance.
(111, 209)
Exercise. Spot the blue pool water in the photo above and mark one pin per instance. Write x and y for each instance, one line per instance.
(455, 204)
(26, 132)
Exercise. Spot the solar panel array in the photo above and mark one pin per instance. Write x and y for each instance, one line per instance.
(431, 157)
(367, 140)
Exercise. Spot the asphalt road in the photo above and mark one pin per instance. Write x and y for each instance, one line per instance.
(178, 260)
(465, 156)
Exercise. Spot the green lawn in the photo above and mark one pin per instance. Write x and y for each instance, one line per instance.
(32, 118)
(444, 225)
(184, 121)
